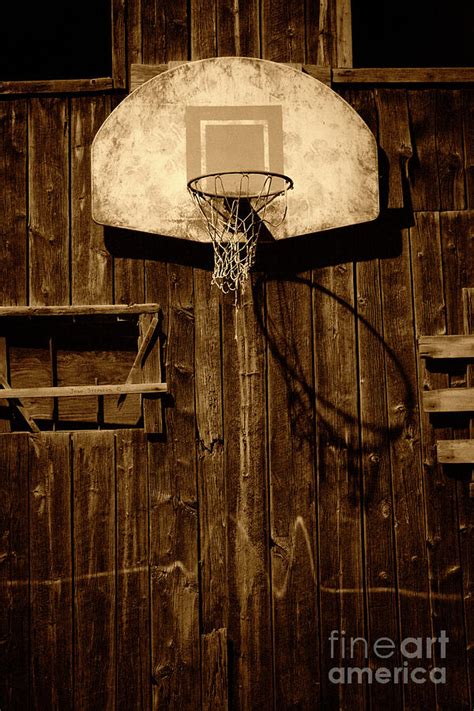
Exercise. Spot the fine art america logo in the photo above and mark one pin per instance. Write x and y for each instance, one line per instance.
(415, 654)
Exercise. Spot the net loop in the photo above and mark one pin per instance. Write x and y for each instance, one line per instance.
(234, 206)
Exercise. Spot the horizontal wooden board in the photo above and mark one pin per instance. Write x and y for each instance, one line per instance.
(455, 451)
(449, 400)
(85, 390)
(56, 86)
(404, 75)
(140, 73)
(446, 346)
(80, 310)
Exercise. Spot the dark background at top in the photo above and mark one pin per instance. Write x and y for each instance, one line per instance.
(45, 40)
(72, 40)
(413, 33)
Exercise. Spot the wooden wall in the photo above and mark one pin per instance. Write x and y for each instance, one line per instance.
(295, 488)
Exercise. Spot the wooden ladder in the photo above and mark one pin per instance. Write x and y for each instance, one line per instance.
(451, 400)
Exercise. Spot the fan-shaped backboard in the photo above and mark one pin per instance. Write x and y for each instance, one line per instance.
(225, 114)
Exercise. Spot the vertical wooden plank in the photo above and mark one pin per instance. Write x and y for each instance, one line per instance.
(129, 280)
(283, 30)
(119, 44)
(224, 29)
(466, 516)
(50, 571)
(249, 631)
(173, 517)
(457, 233)
(291, 448)
(212, 493)
(203, 30)
(312, 11)
(423, 167)
(440, 490)
(395, 141)
(344, 33)
(14, 572)
(457, 242)
(30, 365)
(133, 609)
(13, 239)
(380, 571)
(210, 459)
(134, 32)
(468, 132)
(339, 485)
(156, 283)
(91, 263)
(165, 31)
(238, 28)
(94, 570)
(406, 463)
(215, 679)
(292, 492)
(48, 173)
(449, 149)
(327, 42)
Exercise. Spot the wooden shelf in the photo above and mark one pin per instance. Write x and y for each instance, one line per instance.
(446, 346)
(455, 451)
(449, 400)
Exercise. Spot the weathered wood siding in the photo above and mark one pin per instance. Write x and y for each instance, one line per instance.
(295, 489)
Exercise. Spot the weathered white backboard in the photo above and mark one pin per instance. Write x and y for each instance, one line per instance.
(225, 114)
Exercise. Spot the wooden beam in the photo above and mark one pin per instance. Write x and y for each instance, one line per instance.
(320, 73)
(119, 44)
(404, 75)
(140, 73)
(56, 86)
(137, 363)
(446, 346)
(80, 310)
(455, 451)
(19, 406)
(85, 390)
(449, 400)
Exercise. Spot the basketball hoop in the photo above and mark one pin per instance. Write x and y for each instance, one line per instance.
(234, 206)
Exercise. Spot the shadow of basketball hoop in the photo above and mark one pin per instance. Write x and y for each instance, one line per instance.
(304, 399)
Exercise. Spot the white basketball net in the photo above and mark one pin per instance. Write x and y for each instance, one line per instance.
(234, 218)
